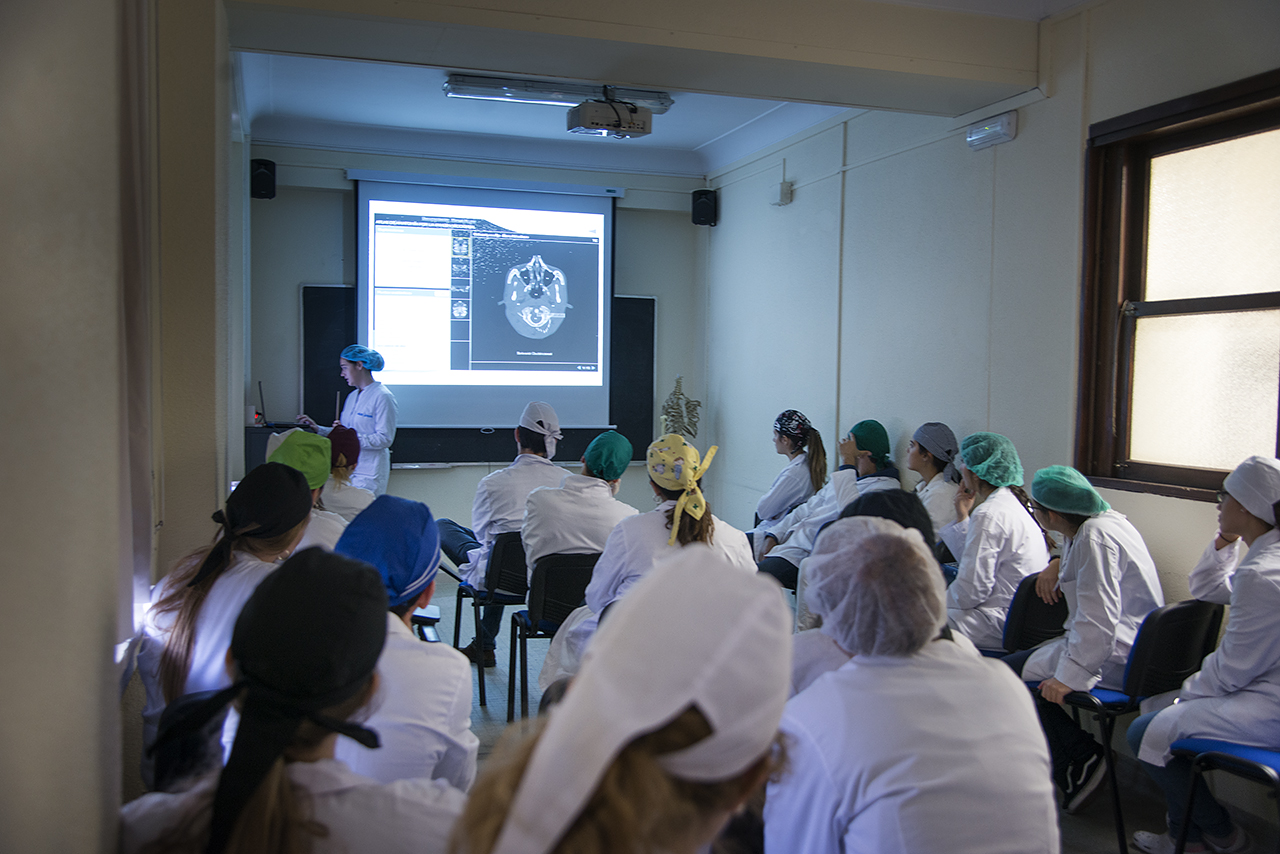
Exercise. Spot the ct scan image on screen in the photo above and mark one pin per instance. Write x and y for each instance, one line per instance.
(464, 295)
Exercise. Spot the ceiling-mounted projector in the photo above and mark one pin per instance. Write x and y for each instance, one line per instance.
(618, 119)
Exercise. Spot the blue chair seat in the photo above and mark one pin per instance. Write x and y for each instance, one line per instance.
(1258, 764)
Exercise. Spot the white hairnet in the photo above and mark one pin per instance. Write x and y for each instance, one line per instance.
(1255, 483)
(694, 631)
(876, 586)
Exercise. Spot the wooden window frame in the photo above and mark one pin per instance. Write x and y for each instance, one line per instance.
(1117, 157)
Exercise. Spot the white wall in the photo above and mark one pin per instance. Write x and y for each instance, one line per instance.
(957, 286)
(306, 234)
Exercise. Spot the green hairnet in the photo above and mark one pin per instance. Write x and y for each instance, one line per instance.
(1064, 490)
(993, 458)
(306, 452)
(607, 455)
(872, 437)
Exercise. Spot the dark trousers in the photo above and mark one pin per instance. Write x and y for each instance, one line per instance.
(1207, 816)
(782, 569)
(1068, 741)
(455, 542)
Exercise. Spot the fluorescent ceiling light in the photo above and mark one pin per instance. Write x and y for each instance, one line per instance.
(550, 92)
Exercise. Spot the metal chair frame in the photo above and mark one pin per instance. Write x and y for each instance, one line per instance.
(1225, 756)
(506, 583)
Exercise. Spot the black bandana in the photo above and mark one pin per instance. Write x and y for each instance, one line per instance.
(308, 638)
(793, 425)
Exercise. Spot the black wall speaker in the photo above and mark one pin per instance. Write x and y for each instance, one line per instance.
(262, 179)
(706, 207)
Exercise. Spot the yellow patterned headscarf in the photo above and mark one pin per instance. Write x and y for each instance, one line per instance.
(674, 464)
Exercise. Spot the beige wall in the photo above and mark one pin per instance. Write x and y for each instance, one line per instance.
(60, 237)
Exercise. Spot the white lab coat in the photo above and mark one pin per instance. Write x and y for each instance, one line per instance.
(936, 751)
(422, 714)
(1110, 584)
(862, 486)
(408, 816)
(371, 412)
(214, 625)
(635, 545)
(1236, 694)
(324, 530)
(573, 518)
(344, 499)
(499, 507)
(813, 653)
(1002, 545)
(938, 495)
(796, 531)
(791, 488)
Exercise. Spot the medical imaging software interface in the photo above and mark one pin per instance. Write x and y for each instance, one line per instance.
(464, 295)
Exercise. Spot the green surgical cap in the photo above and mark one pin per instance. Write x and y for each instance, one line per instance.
(306, 452)
(607, 455)
(1064, 490)
(993, 458)
(872, 437)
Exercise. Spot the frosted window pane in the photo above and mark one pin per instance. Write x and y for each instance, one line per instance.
(1214, 220)
(1205, 388)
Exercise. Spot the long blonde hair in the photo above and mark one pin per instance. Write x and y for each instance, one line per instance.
(637, 806)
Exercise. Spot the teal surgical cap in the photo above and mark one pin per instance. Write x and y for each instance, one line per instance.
(607, 455)
(1062, 489)
(306, 452)
(371, 359)
(993, 458)
(872, 437)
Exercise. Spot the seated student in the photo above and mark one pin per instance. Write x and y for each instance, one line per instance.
(815, 652)
(1110, 584)
(187, 628)
(302, 660)
(423, 714)
(669, 727)
(865, 467)
(577, 516)
(804, 474)
(1000, 544)
(1236, 694)
(930, 454)
(339, 495)
(499, 509)
(311, 455)
(638, 542)
(918, 744)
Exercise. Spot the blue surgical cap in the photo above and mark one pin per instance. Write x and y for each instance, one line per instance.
(400, 539)
(993, 458)
(371, 359)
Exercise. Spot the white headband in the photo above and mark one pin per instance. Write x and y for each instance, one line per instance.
(695, 631)
(1255, 483)
(541, 418)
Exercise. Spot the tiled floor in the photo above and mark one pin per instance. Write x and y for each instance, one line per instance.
(1091, 831)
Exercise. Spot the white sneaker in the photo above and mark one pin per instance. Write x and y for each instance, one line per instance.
(1162, 843)
(1241, 844)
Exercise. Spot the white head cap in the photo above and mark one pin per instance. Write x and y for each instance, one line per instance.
(1255, 483)
(275, 440)
(876, 586)
(541, 418)
(695, 631)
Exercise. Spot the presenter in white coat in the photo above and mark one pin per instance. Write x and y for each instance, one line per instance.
(1110, 584)
(371, 411)
(1236, 694)
(996, 535)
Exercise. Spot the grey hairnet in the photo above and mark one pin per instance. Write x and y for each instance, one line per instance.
(876, 586)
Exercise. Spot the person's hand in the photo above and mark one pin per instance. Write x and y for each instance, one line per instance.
(1054, 691)
(769, 542)
(849, 451)
(1221, 541)
(1047, 583)
(306, 419)
(963, 502)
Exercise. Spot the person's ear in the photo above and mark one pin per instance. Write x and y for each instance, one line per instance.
(424, 598)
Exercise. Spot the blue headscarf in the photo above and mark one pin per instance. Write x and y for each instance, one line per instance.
(371, 359)
(400, 539)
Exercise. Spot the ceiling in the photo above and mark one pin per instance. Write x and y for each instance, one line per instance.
(400, 108)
